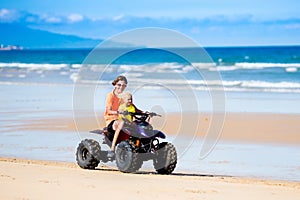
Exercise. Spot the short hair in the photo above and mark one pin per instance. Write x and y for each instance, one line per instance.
(124, 95)
(119, 78)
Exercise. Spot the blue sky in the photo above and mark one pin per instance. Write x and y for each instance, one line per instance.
(211, 23)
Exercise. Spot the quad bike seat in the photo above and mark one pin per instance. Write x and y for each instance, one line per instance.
(108, 136)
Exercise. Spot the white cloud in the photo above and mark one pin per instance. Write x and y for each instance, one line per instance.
(293, 26)
(216, 29)
(52, 19)
(73, 18)
(119, 17)
(7, 15)
(3, 12)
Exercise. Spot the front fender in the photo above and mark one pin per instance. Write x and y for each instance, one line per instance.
(159, 134)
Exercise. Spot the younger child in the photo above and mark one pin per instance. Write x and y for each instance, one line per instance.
(126, 106)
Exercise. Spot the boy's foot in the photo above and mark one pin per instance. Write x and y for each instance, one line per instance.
(110, 154)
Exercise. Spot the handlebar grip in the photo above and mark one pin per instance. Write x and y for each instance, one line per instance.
(126, 112)
(152, 114)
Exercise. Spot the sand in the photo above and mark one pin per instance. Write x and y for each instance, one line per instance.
(27, 179)
(31, 179)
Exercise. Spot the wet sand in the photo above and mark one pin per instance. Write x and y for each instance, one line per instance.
(248, 127)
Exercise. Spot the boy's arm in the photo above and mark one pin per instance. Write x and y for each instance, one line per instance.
(137, 110)
(120, 112)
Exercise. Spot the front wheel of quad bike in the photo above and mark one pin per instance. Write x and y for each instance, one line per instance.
(87, 155)
(166, 158)
(127, 160)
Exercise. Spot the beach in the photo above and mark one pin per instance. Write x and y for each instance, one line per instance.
(27, 179)
(255, 157)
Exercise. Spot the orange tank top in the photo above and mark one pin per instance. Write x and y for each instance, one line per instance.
(112, 103)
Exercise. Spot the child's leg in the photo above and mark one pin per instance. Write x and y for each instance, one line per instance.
(118, 125)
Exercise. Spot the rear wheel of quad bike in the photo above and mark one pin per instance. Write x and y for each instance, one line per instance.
(166, 158)
(87, 155)
(127, 160)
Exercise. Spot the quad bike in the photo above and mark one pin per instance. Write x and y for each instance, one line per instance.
(137, 142)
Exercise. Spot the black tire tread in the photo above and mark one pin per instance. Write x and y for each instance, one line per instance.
(135, 164)
(92, 160)
(166, 159)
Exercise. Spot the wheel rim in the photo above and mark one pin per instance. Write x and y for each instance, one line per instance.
(85, 154)
(123, 155)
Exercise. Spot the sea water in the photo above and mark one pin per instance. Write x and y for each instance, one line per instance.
(259, 69)
(267, 79)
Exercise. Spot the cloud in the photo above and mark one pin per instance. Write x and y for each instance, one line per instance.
(27, 18)
(73, 18)
(217, 29)
(293, 26)
(4, 12)
(51, 19)
(7, 15)
(119, 17)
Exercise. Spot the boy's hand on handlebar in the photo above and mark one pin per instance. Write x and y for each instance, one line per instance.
(125, 112)
(152, 114)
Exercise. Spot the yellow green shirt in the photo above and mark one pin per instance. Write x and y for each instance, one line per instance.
(130, 108)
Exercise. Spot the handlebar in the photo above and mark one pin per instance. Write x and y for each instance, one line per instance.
(146, 114)
(153, 114)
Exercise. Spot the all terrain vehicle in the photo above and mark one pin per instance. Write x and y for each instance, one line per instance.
(137, 142)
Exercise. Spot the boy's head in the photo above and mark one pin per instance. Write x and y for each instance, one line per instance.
(126, 98)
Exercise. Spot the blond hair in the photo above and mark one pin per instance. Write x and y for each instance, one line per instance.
(124, 96)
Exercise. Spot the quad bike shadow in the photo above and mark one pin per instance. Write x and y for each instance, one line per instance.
(137, 142)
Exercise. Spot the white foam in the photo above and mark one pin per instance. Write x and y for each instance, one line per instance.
(34, 66)
(204, 65)
(74, 77)
(170, 74)
(157, 67)
(76, 66)
(291, 69)
(249, 66)
(263, 84)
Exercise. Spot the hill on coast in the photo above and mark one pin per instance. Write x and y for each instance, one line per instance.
(14, 34)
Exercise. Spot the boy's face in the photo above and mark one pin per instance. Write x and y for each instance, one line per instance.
(128, 100)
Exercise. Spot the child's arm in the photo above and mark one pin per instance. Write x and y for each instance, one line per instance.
(121, 112)
(137, 110)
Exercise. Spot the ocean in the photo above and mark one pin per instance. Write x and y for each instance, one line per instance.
(266, 79)
(261, 69)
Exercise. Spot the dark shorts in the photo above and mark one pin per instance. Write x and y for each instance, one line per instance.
(110, 130)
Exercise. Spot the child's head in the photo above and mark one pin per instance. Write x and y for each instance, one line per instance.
(126, 98)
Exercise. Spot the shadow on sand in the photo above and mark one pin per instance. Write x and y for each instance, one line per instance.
(186, 174)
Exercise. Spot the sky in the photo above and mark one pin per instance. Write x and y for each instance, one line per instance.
(211, 23)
